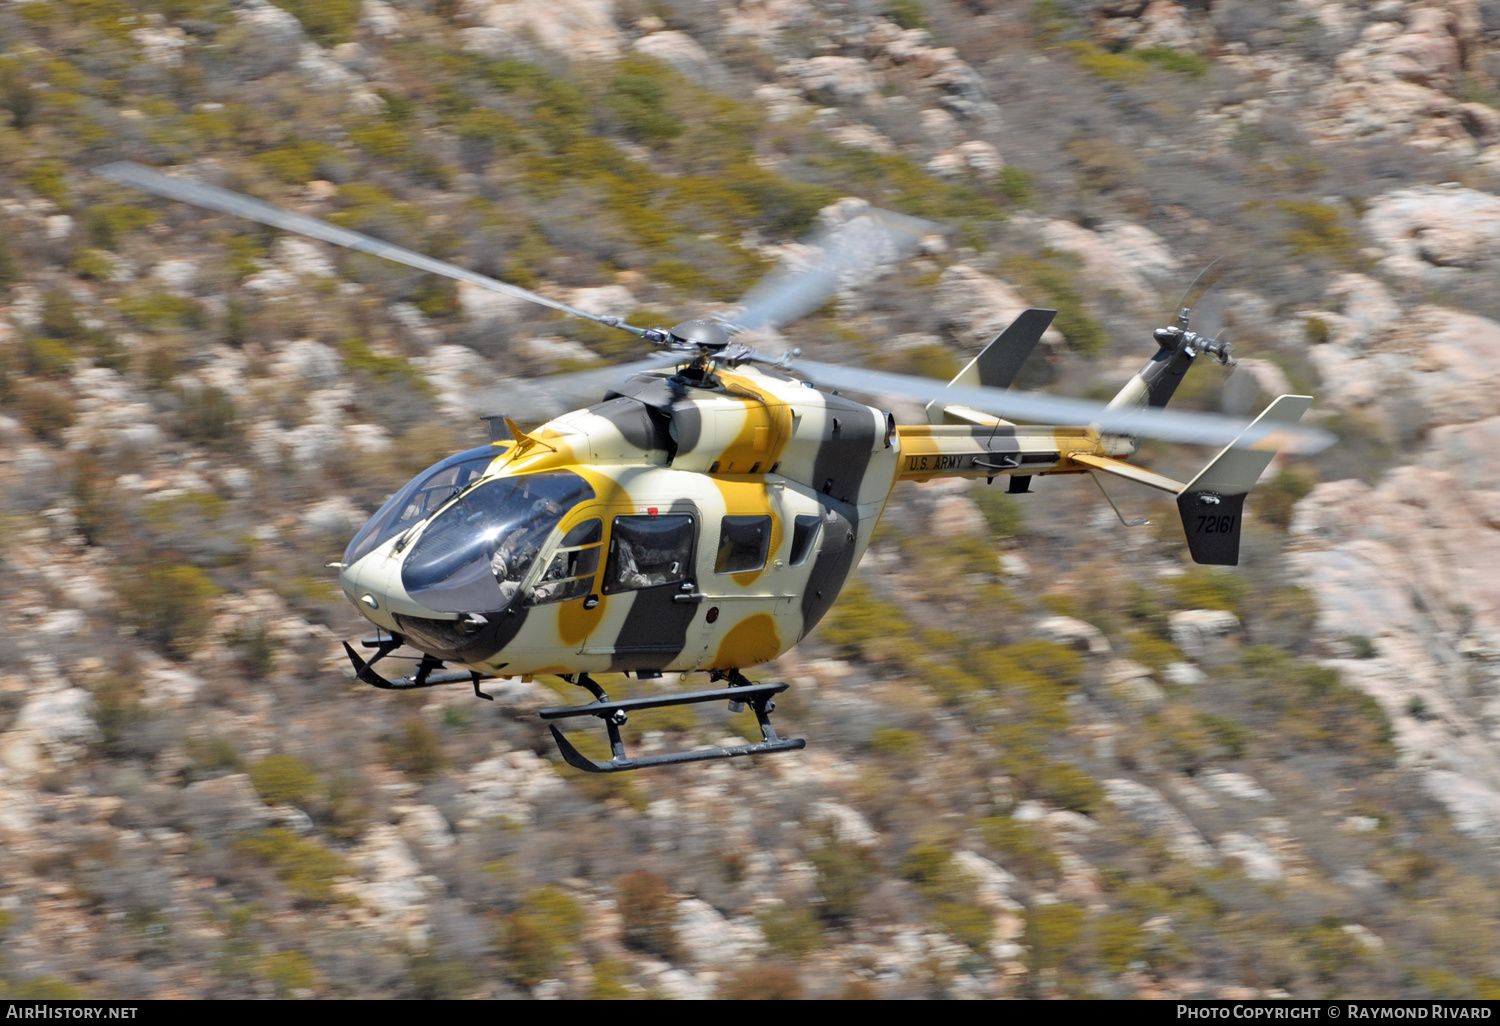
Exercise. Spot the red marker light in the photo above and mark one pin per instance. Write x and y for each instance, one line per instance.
(651, 510)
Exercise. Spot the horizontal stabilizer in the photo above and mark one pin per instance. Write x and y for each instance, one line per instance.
(1120, 468)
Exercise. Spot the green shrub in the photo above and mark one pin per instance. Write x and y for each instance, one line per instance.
(1067, 786)
(90, 264)
(1205, 587)
(207, 416)
(327, 22)
(48, 357)
(899, 743)
(932, 869)
(862, 626)
(43, 988)
(213, 754)
(60, 316)
(44, 409)
(793, 933)
(1318, 230)
(1051, 18)
(761, 982)
(1275, 499)
(844, 870)
(109, 222)
(288, 971)
(1315, 709)
(1151, 650)
(117, 709)
(966, 923)
(1059, 286)
(609, 981)
(284, 779)
(1054, 935)
(164, 310)
(1125, 68)
(416, 749)
(647, 913)
(1180, 62)
(906, 13)
(294, 162)
(47, 178)
(440, 979)
(1022, 847)
(1003, 515)
(169, 605)
(16, 96)
(1121, 941)
(1018, 185)
(548, 924)
(360, 359)
(306, 867)
(637, 98)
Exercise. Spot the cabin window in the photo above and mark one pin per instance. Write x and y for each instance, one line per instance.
(743, 544)
(648, 551)
(804, 534)
(570, 575)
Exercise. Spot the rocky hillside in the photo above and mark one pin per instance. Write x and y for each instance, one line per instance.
(1048, 756)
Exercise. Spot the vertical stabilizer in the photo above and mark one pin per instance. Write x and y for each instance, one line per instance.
(998, 363)
(1212, 504)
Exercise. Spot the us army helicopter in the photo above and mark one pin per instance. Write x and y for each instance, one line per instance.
(706, 512)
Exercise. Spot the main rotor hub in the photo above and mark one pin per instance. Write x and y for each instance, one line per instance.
(705, 335)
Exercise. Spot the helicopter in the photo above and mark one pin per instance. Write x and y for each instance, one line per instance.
(706, 512)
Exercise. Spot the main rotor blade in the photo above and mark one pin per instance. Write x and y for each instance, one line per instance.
(1038, 408)
(211, 197)
(532, 398)
(840, 256)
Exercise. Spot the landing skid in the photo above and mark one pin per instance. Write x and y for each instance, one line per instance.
(425, 677)
(615, 714)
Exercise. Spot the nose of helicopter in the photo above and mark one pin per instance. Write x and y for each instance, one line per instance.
(368, 582)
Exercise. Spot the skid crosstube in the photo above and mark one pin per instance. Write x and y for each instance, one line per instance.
(757, 696)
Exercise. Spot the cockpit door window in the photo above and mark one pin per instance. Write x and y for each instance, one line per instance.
(570, 573)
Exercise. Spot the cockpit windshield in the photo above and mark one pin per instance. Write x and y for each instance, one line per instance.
(419, 498)
(474, 555)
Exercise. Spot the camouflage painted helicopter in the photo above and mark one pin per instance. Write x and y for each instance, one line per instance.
(707, 512)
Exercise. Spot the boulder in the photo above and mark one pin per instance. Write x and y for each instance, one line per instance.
(682, 52)
(709, 938)
(223, 807)
(575, 28)
(972, 308)
(833, 80)
(1068, 630)
(1195, 630)
(1147, 806)
(1256, 859)
(1407, 564)
(1432, 232)
(266, 38)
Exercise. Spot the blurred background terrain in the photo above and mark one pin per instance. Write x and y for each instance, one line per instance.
(1048, 756)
